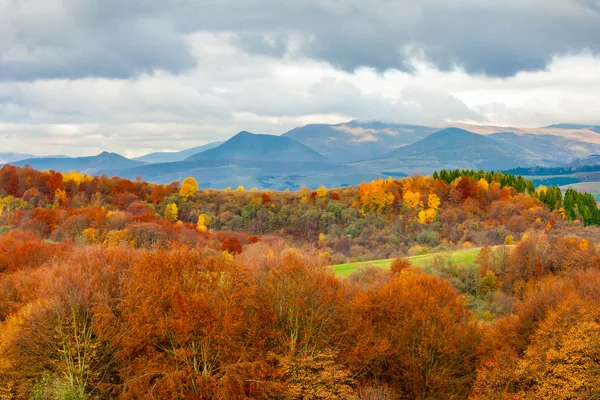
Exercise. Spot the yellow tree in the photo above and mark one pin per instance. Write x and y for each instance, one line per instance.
(433, 201)
(427, 216)
(322, 192)
(412, 199)
(203, 223)
(171, 212)
(483, 184)
(188, 189)
(374, 196)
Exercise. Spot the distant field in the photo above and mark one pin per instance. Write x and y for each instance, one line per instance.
(590, 187)
(424, 261)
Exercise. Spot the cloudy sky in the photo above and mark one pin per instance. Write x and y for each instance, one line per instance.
(132, 76)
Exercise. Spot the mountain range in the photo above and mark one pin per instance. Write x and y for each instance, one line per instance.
(342, 154)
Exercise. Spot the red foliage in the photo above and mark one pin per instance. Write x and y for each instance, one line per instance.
(232, 245)
(266, 198)
(253, 239)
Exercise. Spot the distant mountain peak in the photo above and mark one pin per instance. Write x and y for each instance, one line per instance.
(252, 146)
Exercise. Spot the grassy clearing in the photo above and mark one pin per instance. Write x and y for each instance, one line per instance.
(424, 261)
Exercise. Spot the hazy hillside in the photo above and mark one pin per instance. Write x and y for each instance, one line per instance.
(163, 156)
(104, 161)
(454, 148)
(280, 162)
(356, 140)
(279, 175)
(595, 128)
(258, 147)
(593, 159)
(550, 148)
(12, 157)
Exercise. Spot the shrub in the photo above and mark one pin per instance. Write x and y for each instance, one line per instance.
(399, 264)
(232, 245)
(428, 238)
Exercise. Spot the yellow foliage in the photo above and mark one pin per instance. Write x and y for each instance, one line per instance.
(322, 191)
(203, 222)
(483, 184)
(433, 201)
(115, 238)
(509, 240)
(412, 199)
(426, 216)
(455, 182)
(76, 177)
(541, 189)
(227, 256)
(373, 196)
(60, 194)
(188, 189)
(228, 189)
(321, 239)
(240, 188)
(304, 193)
(171, 212)
(206, 219)
(584, 245)
(91, 235)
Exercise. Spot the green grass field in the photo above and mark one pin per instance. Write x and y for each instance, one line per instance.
(424, 261)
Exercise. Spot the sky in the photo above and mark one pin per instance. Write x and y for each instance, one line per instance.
(132, 76)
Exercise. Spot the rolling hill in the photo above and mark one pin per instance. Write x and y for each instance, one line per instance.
(163, 156)
(593, 159)
(276, 175)
(12, 157)
(356, 140)
(259, 147)
(6, 158)
(547, 149)
(454, 148)
(103, 162)
(595, 128)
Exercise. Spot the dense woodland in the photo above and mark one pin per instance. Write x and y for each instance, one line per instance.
(111, 288)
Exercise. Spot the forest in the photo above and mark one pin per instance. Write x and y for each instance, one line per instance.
(122, 289)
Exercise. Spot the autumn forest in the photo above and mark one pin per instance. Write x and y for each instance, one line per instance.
(122, 289)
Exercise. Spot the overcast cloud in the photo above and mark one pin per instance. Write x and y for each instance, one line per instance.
(81, 76)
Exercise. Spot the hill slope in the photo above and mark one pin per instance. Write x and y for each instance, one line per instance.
(595, 128)
(357, 140)
(552, 148)
(163, 156)
(258, 147)
(455, 148)
(12, 157)
(104, 161)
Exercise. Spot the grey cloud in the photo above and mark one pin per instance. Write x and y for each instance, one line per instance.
(52, 39)
(120, 39)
